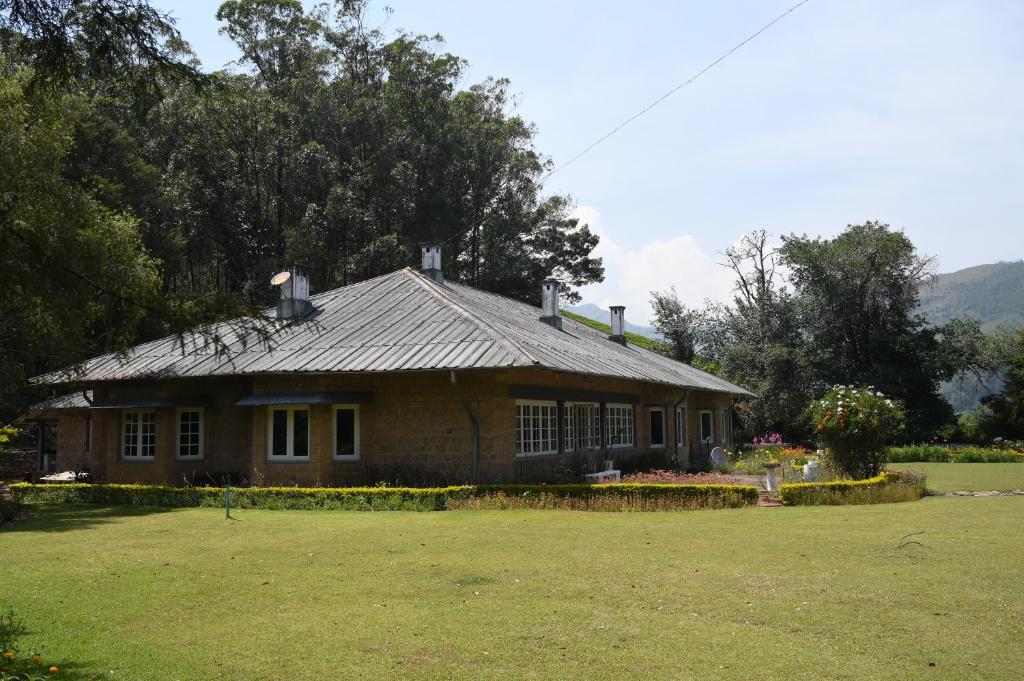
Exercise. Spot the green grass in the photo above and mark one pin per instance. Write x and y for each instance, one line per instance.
(634, 338)
(801, 593)
(968, 477)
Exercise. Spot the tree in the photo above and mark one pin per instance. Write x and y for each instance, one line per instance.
(681, 326)
(856, 425)
(1004, 411)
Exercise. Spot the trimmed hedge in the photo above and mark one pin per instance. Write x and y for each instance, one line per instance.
(376, 498)
(888, 487)
(936, 454)
(9, 509)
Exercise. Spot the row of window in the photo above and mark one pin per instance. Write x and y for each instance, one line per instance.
(537, 426)
(287, 434)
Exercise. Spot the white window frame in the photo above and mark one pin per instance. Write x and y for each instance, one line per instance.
(524, 446)
(721, 426)
(355, 432)
(681, 426)
(141, 413)
(631, 422)
(707, 440)
(593, 428)
(290, 432)
(177, 429)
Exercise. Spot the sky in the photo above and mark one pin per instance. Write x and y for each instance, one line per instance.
(910, 113)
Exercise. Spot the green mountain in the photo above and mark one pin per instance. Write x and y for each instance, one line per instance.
(994, 294)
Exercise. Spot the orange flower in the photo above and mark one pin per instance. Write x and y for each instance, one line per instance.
(37, 660)
(8, 656)
(53, 670)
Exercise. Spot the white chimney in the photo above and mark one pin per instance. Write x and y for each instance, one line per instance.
(431, 261)
(549, 303)
(294, 300)
(618, 324)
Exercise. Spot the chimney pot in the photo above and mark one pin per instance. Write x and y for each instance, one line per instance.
(294, 300)
(431, 261)
(549, 303)
(618, 324)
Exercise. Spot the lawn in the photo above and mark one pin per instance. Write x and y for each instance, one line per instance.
(969, 477)
(794, 593)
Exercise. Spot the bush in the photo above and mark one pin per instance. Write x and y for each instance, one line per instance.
(614, 496)
(9, 509)
(856, 424)
(888, 487)
(936, 454)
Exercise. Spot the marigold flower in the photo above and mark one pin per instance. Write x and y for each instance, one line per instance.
(8, 656)
(53, 670)
(37, 660)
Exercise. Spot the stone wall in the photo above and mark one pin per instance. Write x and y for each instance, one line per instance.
(16, 463)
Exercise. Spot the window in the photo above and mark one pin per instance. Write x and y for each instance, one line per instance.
(681, 427)
(707, 427)
(346, 432)
(721, 426)
(657, 415)
(582, 426)
(288, 436)
(190, 433)
(620, 425)
(536, 428)
(138, 442)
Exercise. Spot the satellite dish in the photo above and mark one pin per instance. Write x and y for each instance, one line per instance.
(280, 278)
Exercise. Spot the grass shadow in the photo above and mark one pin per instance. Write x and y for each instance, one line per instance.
(70, 517)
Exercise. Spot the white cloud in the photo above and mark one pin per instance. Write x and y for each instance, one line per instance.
(632, 273)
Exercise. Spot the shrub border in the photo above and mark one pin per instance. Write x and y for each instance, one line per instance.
(369, 498)
(834, 492)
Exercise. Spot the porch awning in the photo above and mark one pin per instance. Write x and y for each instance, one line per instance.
(306, 398)
(152, 403)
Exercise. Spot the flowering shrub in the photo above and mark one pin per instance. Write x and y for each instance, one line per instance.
(768, 439)
(856, 424)
(13, 665)
(677, 478)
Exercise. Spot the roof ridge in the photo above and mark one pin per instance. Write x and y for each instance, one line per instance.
(435, 290)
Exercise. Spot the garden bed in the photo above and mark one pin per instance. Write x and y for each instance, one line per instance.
(601, 497)
(889, 487)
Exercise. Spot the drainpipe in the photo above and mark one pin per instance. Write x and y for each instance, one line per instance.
(474, 425)
(675, 412)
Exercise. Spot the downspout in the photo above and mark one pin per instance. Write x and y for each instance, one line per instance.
(675, 413)
(474, 426)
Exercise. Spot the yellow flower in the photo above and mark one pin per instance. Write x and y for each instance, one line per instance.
(8, 656)
(53, 670)
(37, 660)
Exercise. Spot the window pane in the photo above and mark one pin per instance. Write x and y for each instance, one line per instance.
(279, 437)
(657, 427)
(345, 432)
(301, 428)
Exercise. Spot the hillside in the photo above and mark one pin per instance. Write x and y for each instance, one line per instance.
(602, 315)
(993, 293)
(631, 337)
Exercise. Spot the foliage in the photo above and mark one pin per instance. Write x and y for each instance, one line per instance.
(9, 509)
(856, 425)
(937, 454)
(684, 328)
(15, 666)
(673, 477)
(366, 498)
(1004, 412)
(6, 433)
(884, 488)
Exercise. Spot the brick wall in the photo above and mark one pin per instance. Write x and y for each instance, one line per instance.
(414, 431)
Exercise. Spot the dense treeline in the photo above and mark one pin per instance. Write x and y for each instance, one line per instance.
(814, 312)
(140, 196)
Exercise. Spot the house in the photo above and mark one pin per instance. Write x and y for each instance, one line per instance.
(403, 377)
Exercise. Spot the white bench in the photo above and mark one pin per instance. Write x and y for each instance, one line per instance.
(603, 476)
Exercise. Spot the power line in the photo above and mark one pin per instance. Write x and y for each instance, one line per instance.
(679, 87)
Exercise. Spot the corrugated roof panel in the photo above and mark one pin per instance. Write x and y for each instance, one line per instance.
(399, 321)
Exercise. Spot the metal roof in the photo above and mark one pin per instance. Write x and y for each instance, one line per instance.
(79, 400)
(397, 322)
